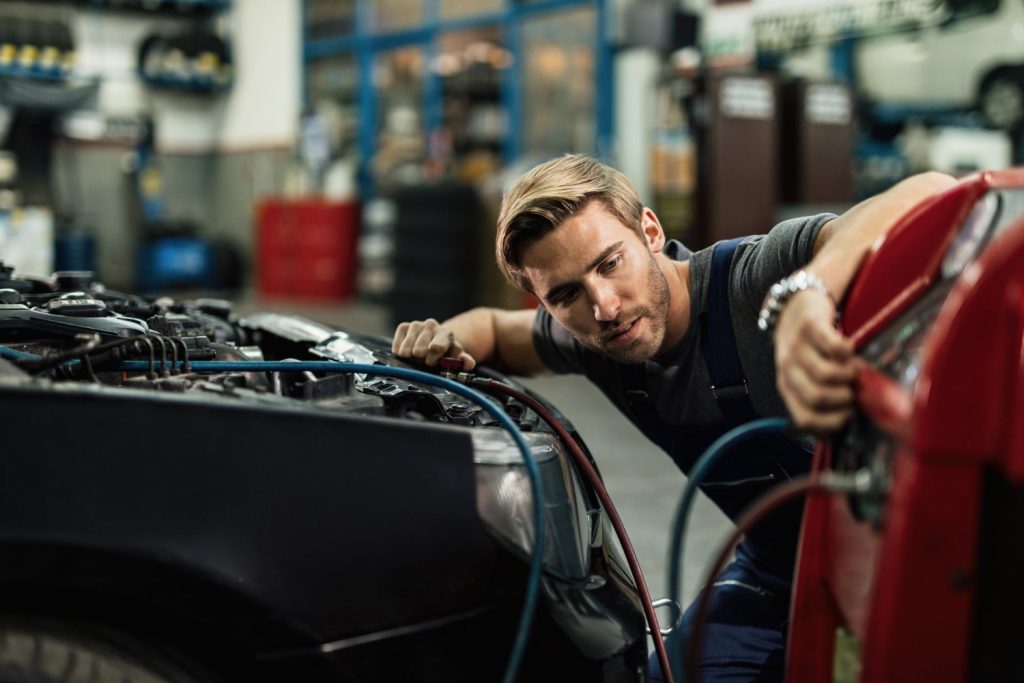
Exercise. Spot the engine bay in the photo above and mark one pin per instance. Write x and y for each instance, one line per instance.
(72, 317)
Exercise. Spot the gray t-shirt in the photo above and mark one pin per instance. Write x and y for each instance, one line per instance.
(678, 382)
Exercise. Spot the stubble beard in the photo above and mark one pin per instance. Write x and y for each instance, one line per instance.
(655, 314)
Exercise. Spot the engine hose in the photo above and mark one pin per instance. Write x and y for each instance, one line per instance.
(595, 480)
(536, 559)
(11, 354)
(715, 452)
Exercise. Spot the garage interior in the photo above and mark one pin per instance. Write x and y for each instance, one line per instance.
(344, 161)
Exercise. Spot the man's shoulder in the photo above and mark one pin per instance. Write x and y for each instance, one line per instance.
(677, 251)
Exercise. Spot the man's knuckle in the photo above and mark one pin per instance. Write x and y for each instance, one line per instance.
(802, 421)
(820, 400)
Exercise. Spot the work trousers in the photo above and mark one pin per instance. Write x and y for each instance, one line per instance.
(745, 636)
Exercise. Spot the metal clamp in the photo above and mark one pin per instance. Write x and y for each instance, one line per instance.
(677, 612)
(730, 392)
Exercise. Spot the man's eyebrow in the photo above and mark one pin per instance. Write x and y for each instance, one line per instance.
(608, 251)
(603, 255)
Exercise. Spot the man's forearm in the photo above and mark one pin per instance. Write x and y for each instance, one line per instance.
(500, 338)
(815, 364)
(475, 330)
(845, 241)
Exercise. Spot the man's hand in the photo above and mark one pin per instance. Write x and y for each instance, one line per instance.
(815, 365)
(427, 341)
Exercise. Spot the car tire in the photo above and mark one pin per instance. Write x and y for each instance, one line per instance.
(35, 651)
(1001, 99)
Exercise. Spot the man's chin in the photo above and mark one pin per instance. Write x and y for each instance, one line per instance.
(630, 355)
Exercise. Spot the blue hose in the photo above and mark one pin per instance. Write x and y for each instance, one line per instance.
(536, 559)
(17, 355)
(721, 447)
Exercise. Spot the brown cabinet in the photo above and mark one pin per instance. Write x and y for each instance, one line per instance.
(817, 143)
(740, 157)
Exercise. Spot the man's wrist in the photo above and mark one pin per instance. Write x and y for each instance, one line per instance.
(784, 290)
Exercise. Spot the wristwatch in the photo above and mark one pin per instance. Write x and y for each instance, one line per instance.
(782, 291)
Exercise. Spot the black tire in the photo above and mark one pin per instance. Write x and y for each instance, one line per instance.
(1001, 99)
(37, 651)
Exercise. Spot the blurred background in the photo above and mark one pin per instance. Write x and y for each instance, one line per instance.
(346, 158)
(354, 152)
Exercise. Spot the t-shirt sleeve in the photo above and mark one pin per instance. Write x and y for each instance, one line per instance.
(555, 345)
(764, 260)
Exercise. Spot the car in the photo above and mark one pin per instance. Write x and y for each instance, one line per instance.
(165, 520)
(972, 59)
(960, 55)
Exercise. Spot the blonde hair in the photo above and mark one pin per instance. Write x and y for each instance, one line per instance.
(548, 194)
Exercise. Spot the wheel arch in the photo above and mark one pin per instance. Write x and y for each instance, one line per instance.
(151, 599)
(996, 71)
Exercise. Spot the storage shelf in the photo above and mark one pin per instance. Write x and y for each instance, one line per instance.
(165, 7)
(19, 90)
(181, 84)
(49, 75)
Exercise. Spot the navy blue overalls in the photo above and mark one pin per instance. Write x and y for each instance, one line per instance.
(745, 637)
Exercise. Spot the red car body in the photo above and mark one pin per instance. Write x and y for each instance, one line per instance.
(925, 574)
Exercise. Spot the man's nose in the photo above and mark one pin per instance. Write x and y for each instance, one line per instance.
(606, 303)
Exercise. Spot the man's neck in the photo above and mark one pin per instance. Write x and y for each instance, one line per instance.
(677, 274)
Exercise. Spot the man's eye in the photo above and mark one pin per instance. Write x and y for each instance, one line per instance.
(610, 265)
(564, 298)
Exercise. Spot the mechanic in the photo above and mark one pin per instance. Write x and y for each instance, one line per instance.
(671, 337)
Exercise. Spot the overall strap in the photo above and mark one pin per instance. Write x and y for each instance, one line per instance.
(639, 407)
(718, 343)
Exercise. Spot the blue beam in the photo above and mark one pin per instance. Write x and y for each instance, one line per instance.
(604, 85)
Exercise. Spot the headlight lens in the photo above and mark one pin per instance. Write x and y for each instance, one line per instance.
(504, 500)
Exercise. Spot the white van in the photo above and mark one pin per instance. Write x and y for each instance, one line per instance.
(972, 58)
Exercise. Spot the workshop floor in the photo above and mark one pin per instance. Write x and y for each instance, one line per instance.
(642, 481)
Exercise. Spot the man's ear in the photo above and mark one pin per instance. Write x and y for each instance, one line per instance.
(653, 233)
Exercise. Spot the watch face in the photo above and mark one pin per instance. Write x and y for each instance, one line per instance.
(971, 236)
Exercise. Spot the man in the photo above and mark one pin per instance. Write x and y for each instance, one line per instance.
(672, 338)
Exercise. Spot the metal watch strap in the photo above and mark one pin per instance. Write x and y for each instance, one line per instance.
(782, 291)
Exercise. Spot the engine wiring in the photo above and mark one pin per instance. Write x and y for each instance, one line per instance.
(533, 471)
(716, 451)
(164, 372)
(92, 352)
(150, 370)
(798, 487)
(34, 364)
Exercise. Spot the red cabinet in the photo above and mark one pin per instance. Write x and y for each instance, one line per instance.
(307, 248)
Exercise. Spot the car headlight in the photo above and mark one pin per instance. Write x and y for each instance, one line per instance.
(504, 500)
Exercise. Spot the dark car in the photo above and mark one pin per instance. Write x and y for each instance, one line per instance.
(160, 523)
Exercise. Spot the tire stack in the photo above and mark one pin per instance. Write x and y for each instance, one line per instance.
(437, 228)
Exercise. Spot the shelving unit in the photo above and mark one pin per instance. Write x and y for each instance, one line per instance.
(44, 29)
(445, 83)
(177, 7)
(190, 85)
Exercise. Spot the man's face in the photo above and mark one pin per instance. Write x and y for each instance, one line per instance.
(602, 283)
